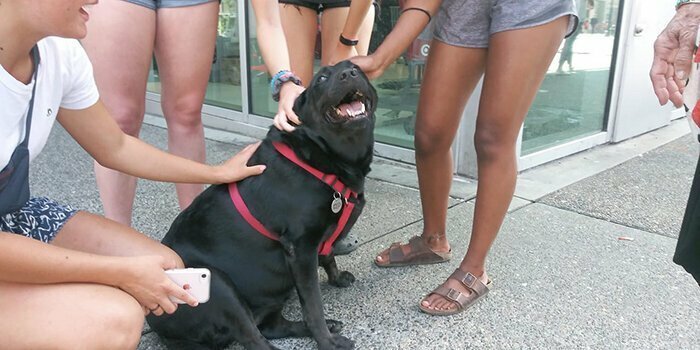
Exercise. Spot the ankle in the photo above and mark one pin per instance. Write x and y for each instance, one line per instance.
(435, 240)
(476, 270)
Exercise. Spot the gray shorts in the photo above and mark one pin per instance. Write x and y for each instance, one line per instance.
(156, 4)
(40, 218)
(470, 23)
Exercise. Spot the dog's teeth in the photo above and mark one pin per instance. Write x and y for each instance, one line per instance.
(363, 108)
(349, 112)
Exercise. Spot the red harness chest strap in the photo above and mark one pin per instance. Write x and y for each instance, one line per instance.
(331, 180)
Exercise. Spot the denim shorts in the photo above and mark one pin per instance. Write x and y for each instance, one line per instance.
(157, 4)
(470, 23)
(40, 218)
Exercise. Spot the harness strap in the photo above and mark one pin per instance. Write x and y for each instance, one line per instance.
(327, 246)
(331, 180)
(243, 210)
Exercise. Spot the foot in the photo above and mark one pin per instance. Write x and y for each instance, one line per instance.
(436, 243)
(438, 302)
(346, 245)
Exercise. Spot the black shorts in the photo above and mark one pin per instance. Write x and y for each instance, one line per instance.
(319, 6)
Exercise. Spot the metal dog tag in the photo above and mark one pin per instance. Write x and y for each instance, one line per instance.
(337, 203)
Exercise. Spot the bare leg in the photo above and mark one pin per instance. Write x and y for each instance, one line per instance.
(120, 44)
(68, 316)
(184, 49)
(300, 26)
(510, 87)
(332, 23)
(79, 315)
(450, 77)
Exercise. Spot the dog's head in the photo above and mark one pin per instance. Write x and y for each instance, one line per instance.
(337, 111)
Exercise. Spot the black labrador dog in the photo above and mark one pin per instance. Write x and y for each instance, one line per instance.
(313, 183)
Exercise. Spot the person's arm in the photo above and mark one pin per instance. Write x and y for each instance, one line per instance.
(273, 46)
(356, 15)
(25, 260)
(101, 137)
(673, 54)
(410, 24)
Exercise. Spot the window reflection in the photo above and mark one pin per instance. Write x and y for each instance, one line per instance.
(572, 100)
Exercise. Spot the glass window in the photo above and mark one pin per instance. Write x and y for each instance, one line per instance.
(572, 100)
(224, 87)
(398, 88)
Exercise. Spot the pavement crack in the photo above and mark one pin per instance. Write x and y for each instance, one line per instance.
(593, 216)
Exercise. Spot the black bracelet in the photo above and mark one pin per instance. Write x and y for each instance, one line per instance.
(347, 42)
(430, 18)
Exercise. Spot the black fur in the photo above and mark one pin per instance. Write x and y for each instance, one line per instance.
(252, 275)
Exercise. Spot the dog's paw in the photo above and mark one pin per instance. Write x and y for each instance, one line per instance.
(338, 342)
(345, 279)
(334, 326)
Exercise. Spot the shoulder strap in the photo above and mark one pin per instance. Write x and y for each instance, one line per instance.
(35, 67)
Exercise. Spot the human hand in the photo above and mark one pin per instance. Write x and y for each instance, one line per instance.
(285, 109)
(371, 65)
(673, 55)
(236, 168)
(341, 53)
(145, 279)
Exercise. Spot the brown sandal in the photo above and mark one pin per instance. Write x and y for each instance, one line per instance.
(471, 282)
(419, 254)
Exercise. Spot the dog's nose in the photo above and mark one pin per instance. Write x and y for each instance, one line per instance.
(348, 73)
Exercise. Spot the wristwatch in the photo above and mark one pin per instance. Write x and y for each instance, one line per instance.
(680, 3)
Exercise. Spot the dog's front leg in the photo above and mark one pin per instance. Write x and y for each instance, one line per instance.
(341, 279)
(303, 263)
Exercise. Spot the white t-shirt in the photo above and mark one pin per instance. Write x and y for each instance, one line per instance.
(65, 81)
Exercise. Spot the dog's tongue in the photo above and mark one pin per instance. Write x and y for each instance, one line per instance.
(352, 108)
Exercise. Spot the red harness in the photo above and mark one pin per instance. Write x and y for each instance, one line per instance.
(341, 192)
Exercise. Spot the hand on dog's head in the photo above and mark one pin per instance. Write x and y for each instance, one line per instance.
(337, 110)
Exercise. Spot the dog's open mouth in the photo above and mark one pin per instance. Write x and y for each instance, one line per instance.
(355, 105)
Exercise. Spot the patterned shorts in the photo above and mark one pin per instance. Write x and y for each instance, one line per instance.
(40, 218)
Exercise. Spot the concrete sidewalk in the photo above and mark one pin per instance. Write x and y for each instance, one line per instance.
(562, 278)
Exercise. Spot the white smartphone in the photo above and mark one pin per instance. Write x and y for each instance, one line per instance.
(195, 281)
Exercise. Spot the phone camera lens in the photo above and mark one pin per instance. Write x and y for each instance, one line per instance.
(204, 276)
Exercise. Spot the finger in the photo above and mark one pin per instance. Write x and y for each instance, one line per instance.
(684, 57)
(250, 149)
(658, 79)
(182, 295)
(292, 116)
(255, 170)
(146, 311)
(673, 89)
(157, 311)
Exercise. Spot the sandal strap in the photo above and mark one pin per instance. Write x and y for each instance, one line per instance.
(396, 252)
(415, 245)
(470, 281)
(455, 296)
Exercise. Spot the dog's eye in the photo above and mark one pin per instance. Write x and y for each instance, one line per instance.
(322, 78)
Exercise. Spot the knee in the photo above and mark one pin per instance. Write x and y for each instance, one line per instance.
(430, 141)
(121, 323)
(491, 144)
(183, 112)
(128, 117)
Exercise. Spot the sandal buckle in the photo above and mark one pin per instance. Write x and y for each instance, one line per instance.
(453, 294)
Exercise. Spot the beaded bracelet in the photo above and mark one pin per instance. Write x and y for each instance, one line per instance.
(279, 79)
(680, 3)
